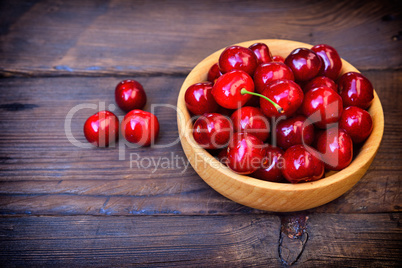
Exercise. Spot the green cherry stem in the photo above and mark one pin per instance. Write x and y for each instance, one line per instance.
(278, 108)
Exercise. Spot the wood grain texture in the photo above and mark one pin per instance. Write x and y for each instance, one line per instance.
(66, 206)
(140, 241)
(358, 240)
(42, 38)
(42, 173)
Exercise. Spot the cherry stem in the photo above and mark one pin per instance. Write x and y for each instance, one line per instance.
(278, 108)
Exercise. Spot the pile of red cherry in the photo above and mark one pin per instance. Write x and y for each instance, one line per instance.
(138, 126)
(313, 120)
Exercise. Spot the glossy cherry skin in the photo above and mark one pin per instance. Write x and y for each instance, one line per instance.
(355, 90)
(278, 58)
(271, 168)
(322, 106)
(261, 52)
(245, 153)
(357, 123)
(301, 165)
(294, 130)
(102, 129)
(199, 99)
(213, 131)
(140, 127)
(320, 81)
(286, 94)
(237, 58)
(331, 62)
(251, 120)
(214, 73)
(226, 90)
(304, 63)
(336, 148)
(130, 95)
(270, 72)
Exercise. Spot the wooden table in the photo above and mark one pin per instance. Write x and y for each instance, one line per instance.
(64, 205)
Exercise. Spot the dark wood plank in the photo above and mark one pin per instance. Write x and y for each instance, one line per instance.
(42, 173)
(355, 240)
(144, 241)
(352, 240)
(159, 37)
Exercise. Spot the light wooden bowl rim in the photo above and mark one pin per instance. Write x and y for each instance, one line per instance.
(233, 185)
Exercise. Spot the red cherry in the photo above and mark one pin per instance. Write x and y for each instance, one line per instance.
(357, 123)
(271, 169)
(304, 63)
(261, 52)
(212, 131)
(270, 72)
(355, 90)
(320, 81)
(331, 62)
(102, 128)
(130, 95)
(245, 153)
(336, 148)
(301, 165)
(140, 127)
(286, 93)
(227, 89)
(238, 58)
(214, 73)
(251, 120)
(278, 58)
(322, 106)
(199, 99)
(294, 130)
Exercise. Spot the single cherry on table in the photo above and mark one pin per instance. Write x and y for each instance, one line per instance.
(140, 127)
(130, 95)
(102, 129)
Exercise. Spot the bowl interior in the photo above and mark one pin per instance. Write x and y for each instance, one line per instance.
(270, 195)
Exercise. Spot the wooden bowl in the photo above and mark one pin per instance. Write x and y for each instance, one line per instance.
(264, 195)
